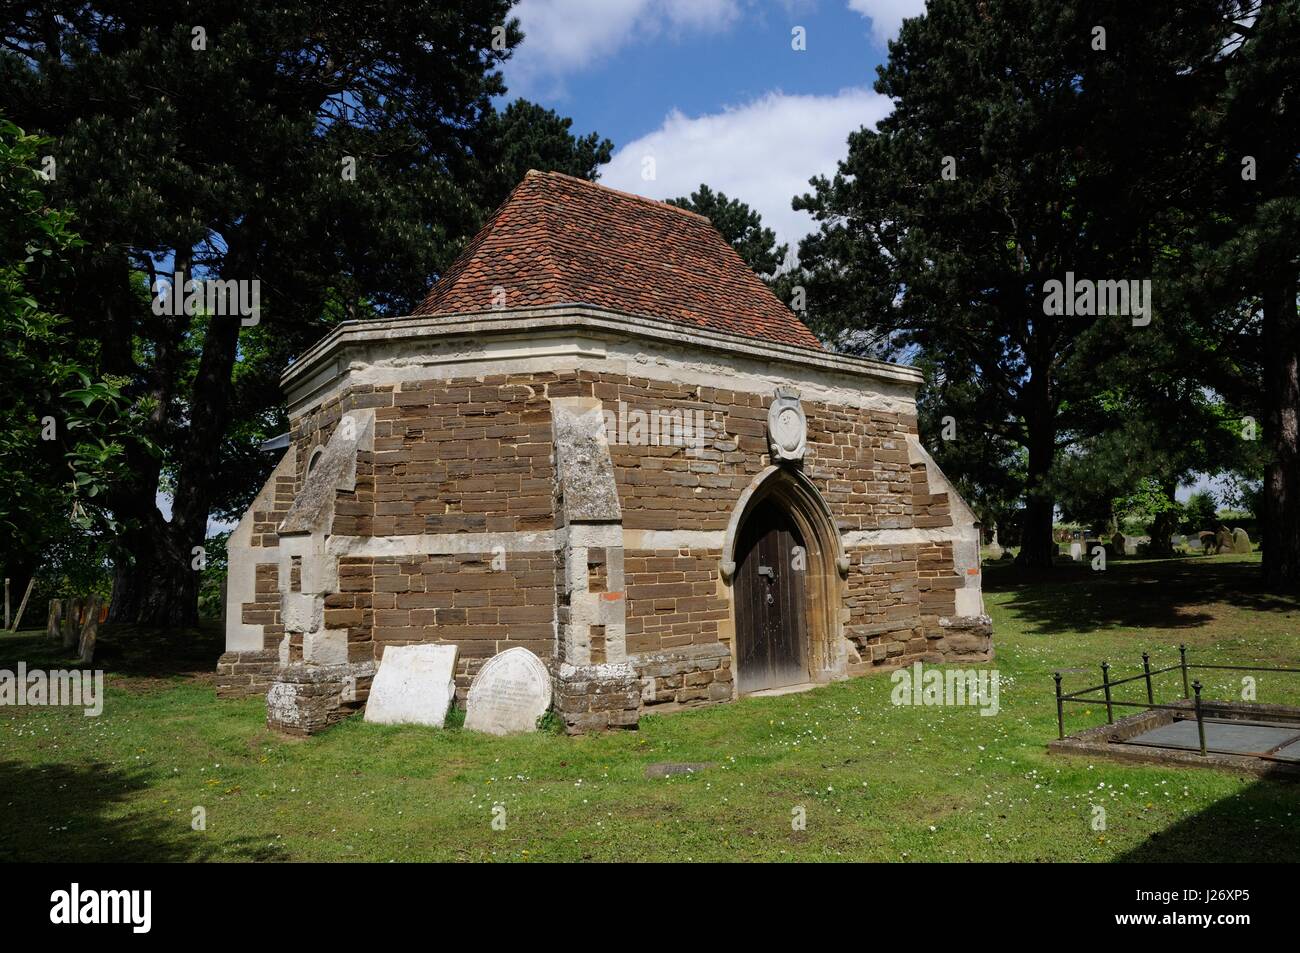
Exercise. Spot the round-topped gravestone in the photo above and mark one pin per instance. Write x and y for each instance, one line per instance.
(509, 693)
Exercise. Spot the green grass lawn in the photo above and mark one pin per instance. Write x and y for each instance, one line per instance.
(876, 781)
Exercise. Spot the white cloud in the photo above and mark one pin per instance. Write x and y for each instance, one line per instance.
(887, 16)
(566, 36)
(762, 153)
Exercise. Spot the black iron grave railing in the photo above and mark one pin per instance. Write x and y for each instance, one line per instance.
(1191, 691)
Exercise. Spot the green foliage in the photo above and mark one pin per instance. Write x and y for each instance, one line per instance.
(1200, 513)
(1011, 158)
(527, 136)
(213, 576)
(72, 562)
(63, 433)
(550, 722)
(1153, 504)
(339, 156)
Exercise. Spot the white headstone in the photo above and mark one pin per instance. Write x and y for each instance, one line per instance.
(1076, 550)
(509, 693)
(1240, 541)
(414, 685)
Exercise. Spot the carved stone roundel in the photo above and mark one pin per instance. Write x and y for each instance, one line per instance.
(787, 427)
(788, 430)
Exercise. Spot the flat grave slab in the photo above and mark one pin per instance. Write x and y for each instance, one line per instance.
(1219, 735)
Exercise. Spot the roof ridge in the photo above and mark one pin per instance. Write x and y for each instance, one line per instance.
(657, 203)
(558, 238)
(546, 246)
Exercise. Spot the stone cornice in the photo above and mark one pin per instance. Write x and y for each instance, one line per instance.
(540, 322)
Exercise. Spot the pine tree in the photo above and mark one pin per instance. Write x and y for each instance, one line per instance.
(1030, 139)
(337, 154)
(741, 226)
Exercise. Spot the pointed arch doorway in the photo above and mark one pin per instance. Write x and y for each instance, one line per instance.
(771, 623)
(783, 558)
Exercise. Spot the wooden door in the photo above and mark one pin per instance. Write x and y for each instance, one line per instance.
(771, 627)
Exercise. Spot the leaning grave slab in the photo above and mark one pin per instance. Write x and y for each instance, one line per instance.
(414, 685)
(602, 439)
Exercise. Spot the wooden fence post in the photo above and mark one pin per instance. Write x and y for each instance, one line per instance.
(22, 606)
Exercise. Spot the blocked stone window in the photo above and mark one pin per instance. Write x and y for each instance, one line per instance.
(295, 574)
(597, 574)
(597, 645)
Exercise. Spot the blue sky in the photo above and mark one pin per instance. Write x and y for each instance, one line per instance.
(711, 89)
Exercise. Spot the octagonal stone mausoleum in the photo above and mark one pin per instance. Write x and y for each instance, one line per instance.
(603, 439)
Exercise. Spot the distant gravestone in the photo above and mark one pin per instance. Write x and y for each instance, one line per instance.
(1131, 545)
(414, 685)
(71, 631)
(1076, 550)
(89, 632)
(55, 624)
(995, 548)
(1240, 541)
(1117, 544)
(1223, 540)
(509, 693)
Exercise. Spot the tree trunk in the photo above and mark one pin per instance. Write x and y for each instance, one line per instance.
(1165, 523)
(1037, 546)
(153, 583)
(154, 579)
(1281, 529)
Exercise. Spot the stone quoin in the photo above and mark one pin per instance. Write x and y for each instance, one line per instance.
(472, 475)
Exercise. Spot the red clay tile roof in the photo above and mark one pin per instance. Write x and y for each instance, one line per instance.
(561, 240)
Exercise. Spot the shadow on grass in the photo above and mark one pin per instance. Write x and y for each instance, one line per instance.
(126, 650)
(72, 813)
(1162, 594)
(1252, 826)
(161, 653)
